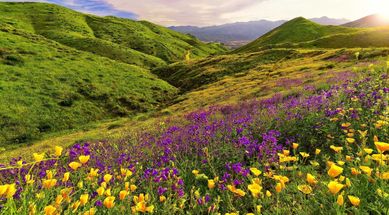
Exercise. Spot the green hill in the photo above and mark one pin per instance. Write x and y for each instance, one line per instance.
(295, 31)
(301, 32)
(47, 87)
(134, 42)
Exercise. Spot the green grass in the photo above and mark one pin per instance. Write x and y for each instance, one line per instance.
(234, 78)
(133, 42)
(301, 32)
(49, 87)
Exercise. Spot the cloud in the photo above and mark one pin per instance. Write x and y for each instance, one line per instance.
(97, 7)
(184, 12)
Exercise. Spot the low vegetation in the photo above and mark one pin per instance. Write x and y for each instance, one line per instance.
(324, 153)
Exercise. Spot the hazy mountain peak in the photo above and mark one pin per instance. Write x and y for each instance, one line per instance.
(374, 20)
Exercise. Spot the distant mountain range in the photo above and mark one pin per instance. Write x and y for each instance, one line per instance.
(240, 33)
(374, 20)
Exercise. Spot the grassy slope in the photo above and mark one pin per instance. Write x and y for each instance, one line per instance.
(140, 43)
(301, 32)
(50, 87)
(234, 78)
(265, 74)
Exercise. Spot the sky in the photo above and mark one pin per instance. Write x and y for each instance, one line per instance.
(214, 12)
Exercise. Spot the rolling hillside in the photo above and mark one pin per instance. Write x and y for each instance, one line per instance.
(234, 78)
(50, 87)
(134, 42)
(301, 32)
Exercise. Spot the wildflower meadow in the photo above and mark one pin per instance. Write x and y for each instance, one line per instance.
(316, 151)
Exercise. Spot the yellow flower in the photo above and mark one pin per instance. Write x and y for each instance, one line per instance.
(195, 172)
(268, 193)
(304, 154)
(91, 211)
(354, 200)
(20, 163)
(367, 170)
(49, 183)
(74, 165)
(311, 179)
(348, 182)
(259, 208)
(346, 125)
(84, 158)
(162, 198)
(340, 200)
(75, 206)
(133, 187)
(335, 170)
(142, 207)
(32, 209)
(286, 152)
(278, 187)
(211, 184)
(350, 140)
(103, 184)
(107, 178)
(100, 191)
(84, 199)
(29, 179)
(348, 158)
(93, 172)
(295, 145)
(49, 174)
(125, 172)
(66, 176)
(109, 202)
(108, 192)
(314, 163)
(255, 171)
(7, 190)
(334, 187)
(58, 151)
(40, 195)
(306, 189)
(336, 149)
(368, 151)
(341, 163)
(58, 199)
(80, 184)
(317, 151)
(238, 192)
(381, 146)
(255, 189)
(383, 176)
(38, 157)
(355, 171)
(123, 194)
(50, 210)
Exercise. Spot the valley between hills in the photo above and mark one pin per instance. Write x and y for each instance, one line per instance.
(142, 92)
